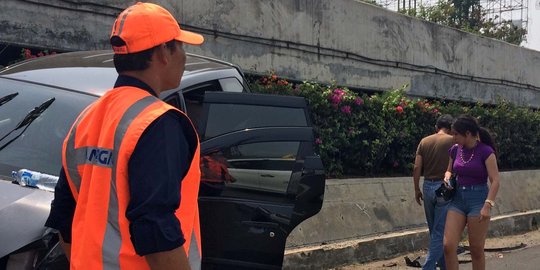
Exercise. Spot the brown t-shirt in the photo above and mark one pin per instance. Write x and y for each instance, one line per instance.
(434, 152)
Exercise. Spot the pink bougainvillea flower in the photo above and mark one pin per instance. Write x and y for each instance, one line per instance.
(435, 110)
(336, 99)
(358, 101)
(395, 164)
(346, 109)
(318, 141)
(27, 54)
(399, 109)
(339, 92)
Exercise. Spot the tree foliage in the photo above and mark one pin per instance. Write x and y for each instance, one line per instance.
(468, 15)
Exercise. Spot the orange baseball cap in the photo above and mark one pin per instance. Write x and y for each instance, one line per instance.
(145, 25)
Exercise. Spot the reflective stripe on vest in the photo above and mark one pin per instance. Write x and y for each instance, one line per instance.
(96, 153)
(194, 255)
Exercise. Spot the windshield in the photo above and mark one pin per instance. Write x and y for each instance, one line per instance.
(39, 146)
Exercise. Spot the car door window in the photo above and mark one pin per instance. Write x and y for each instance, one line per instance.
(231, 85)
(174, 101)
(194, 97)
(262, 166)
(226, 118)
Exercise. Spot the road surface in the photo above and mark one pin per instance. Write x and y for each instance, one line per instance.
(527, 258)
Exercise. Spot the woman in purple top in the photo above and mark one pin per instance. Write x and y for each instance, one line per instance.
(475, 163)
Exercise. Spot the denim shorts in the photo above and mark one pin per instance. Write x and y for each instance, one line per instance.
(469, 200)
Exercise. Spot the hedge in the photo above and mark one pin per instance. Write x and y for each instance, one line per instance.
(365, 135)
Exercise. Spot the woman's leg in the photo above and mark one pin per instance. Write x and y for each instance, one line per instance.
(477, 231)
(455, 223)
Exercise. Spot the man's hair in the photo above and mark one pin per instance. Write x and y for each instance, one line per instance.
(135, 61)
(444, 121)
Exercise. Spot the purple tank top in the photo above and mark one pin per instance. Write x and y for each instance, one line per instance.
(470, 164)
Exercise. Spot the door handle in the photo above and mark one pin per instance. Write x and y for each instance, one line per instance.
(260, 224)
(267, 175)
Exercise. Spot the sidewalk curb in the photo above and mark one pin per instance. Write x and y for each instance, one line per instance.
(393, 244)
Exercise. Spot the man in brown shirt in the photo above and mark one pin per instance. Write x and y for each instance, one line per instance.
(432, 158)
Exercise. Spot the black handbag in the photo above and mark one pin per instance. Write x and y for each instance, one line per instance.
(444, 192)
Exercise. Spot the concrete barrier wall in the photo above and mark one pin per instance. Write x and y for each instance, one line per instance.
(357, 208)
(360, 45)
(356, 44)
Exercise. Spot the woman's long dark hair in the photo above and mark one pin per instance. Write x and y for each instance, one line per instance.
(465, 123)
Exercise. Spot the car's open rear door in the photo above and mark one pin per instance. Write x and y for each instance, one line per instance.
(260, 177)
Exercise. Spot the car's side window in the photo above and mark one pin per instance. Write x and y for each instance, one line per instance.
(194, 97)
(226, 118)
(174, 101)
(238, 170)
(231, 85)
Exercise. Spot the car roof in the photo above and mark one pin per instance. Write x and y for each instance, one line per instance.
(93, 71)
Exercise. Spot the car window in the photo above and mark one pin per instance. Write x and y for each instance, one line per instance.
(262, 166)
(231, 85)
(174, 101)
(194, 97)
(225, 118)
(38, 147)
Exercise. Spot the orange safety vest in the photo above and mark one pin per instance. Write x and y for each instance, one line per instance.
(95, 156)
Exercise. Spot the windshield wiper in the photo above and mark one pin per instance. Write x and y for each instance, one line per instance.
(7, 98)
(27, 120)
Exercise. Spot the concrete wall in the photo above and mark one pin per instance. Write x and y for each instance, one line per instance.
(56, 25)
(358, 208)
(356, 44)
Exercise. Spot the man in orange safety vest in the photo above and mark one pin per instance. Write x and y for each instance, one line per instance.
(127, 193)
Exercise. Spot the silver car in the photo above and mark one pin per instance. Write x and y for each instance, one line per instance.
(260, 175)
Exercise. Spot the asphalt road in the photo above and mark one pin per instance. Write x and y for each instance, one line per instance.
(524, 259)
(527, 258)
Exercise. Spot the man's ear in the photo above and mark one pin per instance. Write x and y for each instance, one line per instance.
(160, 54)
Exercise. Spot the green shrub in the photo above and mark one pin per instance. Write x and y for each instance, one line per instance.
(377, 135)
(517, 133)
